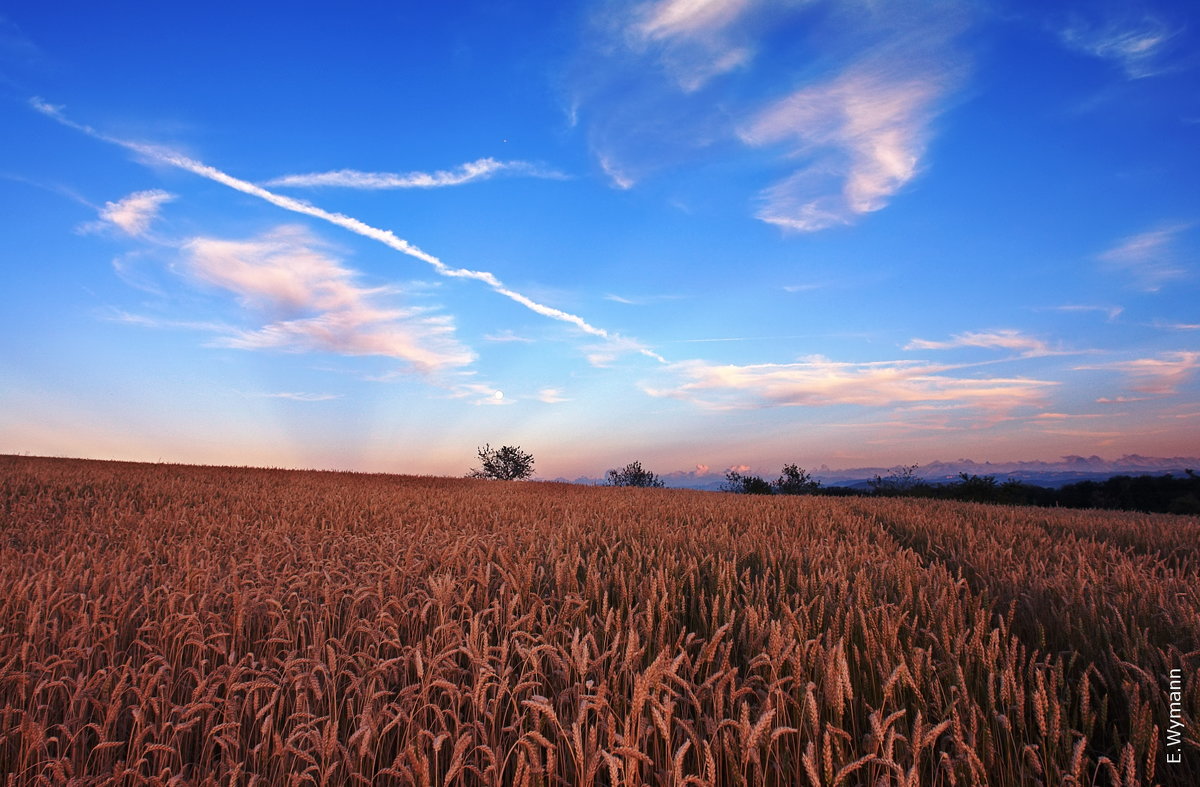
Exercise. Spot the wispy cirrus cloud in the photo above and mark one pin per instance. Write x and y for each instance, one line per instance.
(606, 353)
(1106, 437)
(507, 336)
(398, 334)
(1006, 339)
(551, 396)
(617, 175)
(1150, 259)
(862, 135)
(132, 214)
(818, 381)
(870, 82)
(641, 77)
(1069, 416)
(640, 300)
(478, 393)
(286, 271)
(50, 187)
(1163, 375)
(298, 397)
(309, 300)
(693, 39)
(15, 46)
(667, 19)
(1138, 46)
(1110, 312)
(313, 303)
(480, 169)
(150, 321)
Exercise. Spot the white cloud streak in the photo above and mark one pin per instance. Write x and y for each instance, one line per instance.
(388, 238)
(481, 169)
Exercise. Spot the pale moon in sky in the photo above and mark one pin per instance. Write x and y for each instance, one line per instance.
(499, 394)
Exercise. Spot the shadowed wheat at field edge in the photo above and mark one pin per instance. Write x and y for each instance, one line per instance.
(230, 625)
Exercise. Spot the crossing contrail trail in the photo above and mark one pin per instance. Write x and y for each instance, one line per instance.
(172, 158)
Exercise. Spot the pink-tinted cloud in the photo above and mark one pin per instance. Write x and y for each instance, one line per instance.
(133, 214)
(314, 303)
(684, 18)
(551, 396)
(1006, 339)
(818, 382)
(693, 38)
(863, 134)
(1161, 376)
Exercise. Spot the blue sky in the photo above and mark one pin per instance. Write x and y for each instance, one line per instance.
(699, 233)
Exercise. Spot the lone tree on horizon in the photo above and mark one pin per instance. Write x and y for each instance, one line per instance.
(506, 463)
(633, 474)
(795, 480)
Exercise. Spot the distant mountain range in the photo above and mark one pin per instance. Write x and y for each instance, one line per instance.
(1068, 470)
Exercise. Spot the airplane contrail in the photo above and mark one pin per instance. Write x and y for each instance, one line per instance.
(387, 237)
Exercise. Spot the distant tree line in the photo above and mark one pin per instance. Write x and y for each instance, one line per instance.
(793, 480)
(1167, 494)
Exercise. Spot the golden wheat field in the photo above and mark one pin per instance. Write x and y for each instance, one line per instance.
(165, 624)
